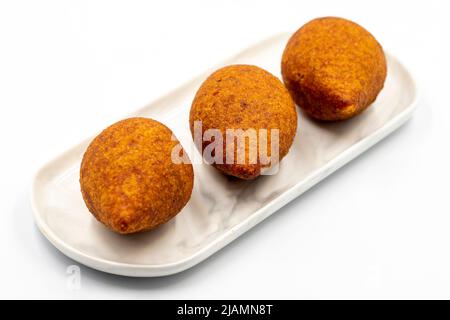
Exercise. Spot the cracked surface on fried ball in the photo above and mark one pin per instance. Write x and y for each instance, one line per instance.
(245, 97)
(127, 177)
(333, 68)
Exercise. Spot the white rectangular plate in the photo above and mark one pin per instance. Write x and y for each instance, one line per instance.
(221, 209)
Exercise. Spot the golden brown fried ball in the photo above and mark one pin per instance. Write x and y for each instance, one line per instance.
(333, 68)
(128, 179)
(245, 97)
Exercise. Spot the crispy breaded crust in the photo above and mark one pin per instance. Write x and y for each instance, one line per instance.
(333, 68)
(127, 177)
(244, 97)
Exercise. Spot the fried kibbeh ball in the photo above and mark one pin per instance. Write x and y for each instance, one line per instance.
(333, 68)
(128, 179)
(242, 97)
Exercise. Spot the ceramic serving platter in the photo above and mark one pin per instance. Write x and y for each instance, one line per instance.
(220, 209)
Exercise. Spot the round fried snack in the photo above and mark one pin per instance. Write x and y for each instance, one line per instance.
(333, 68)
(128, 179)
(246, 100)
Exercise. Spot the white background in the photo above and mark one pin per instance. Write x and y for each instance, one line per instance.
(378, 228)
